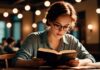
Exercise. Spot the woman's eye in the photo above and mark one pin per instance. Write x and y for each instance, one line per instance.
(57, 25)
(65, 26)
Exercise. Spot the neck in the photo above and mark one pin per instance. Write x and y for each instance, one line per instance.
(52, 38)
(53, 41)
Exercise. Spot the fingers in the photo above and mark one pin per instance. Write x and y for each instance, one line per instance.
(72, 63)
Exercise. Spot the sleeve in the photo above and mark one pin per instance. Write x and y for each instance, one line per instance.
(28, 48)
(82, 53)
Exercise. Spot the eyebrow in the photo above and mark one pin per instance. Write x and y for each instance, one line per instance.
(61, 25)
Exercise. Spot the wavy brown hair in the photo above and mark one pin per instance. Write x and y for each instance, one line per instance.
(60, 8)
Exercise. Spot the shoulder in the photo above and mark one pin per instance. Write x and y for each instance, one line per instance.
(34, 34)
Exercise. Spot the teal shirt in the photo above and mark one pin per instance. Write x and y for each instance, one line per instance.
(39, 39)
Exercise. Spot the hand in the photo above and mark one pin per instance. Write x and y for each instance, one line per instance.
(38, 61)
(84, 62)
(72, 63)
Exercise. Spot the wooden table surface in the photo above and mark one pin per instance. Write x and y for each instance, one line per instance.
(50, 68)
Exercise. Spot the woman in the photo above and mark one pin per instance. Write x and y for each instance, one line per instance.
(60, 17)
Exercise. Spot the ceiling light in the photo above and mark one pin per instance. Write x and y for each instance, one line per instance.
(34, 25)
(37, 12)
(20, 15)
(47, 3)
(78, 1)
(9, 25)
(15, 10)
(98, 10)
(44, 20)
(27, 7)
(5, 14)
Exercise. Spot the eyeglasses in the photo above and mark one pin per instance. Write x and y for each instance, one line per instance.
(59, 27)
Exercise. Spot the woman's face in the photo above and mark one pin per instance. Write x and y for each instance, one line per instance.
(60, 26)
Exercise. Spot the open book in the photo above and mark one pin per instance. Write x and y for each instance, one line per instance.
(54, 58)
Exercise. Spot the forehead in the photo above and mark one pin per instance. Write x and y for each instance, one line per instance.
(64, 19)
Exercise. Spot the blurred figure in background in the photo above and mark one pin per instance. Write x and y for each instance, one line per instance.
(19, 43)
(3, 45)
(10, 48)
(4, 42)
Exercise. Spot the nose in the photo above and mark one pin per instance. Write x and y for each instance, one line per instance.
(61, 29)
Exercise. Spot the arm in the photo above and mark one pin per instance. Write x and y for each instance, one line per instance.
(83, 55)
(29, 63)
(27, 52)
(84, 62)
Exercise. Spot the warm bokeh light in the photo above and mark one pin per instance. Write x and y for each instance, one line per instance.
(15, 10)
(37, 12)
(47, 3)
(5, 14)
(20, 15)
(27, 29)
(90, 27)
(78, 1)
(44, 20)
(27, 7)
(9, 25)
(34, 25)
(98, 10)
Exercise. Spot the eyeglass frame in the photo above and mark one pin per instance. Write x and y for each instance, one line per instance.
(58, 26)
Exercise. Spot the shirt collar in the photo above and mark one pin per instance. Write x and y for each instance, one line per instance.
(65, 39)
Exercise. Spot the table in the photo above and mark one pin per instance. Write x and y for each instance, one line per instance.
(7, 56)
(91, 66)
(58, 68)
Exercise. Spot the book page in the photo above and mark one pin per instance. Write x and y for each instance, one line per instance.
(48, 50)
(67, 51)
(56, 52)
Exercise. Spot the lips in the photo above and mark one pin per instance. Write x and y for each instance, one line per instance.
(59, 34)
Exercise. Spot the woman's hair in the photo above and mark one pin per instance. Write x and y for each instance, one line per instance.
(60, 8)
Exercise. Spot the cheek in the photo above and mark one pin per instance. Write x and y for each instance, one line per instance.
(64, 32)
(54, 31)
